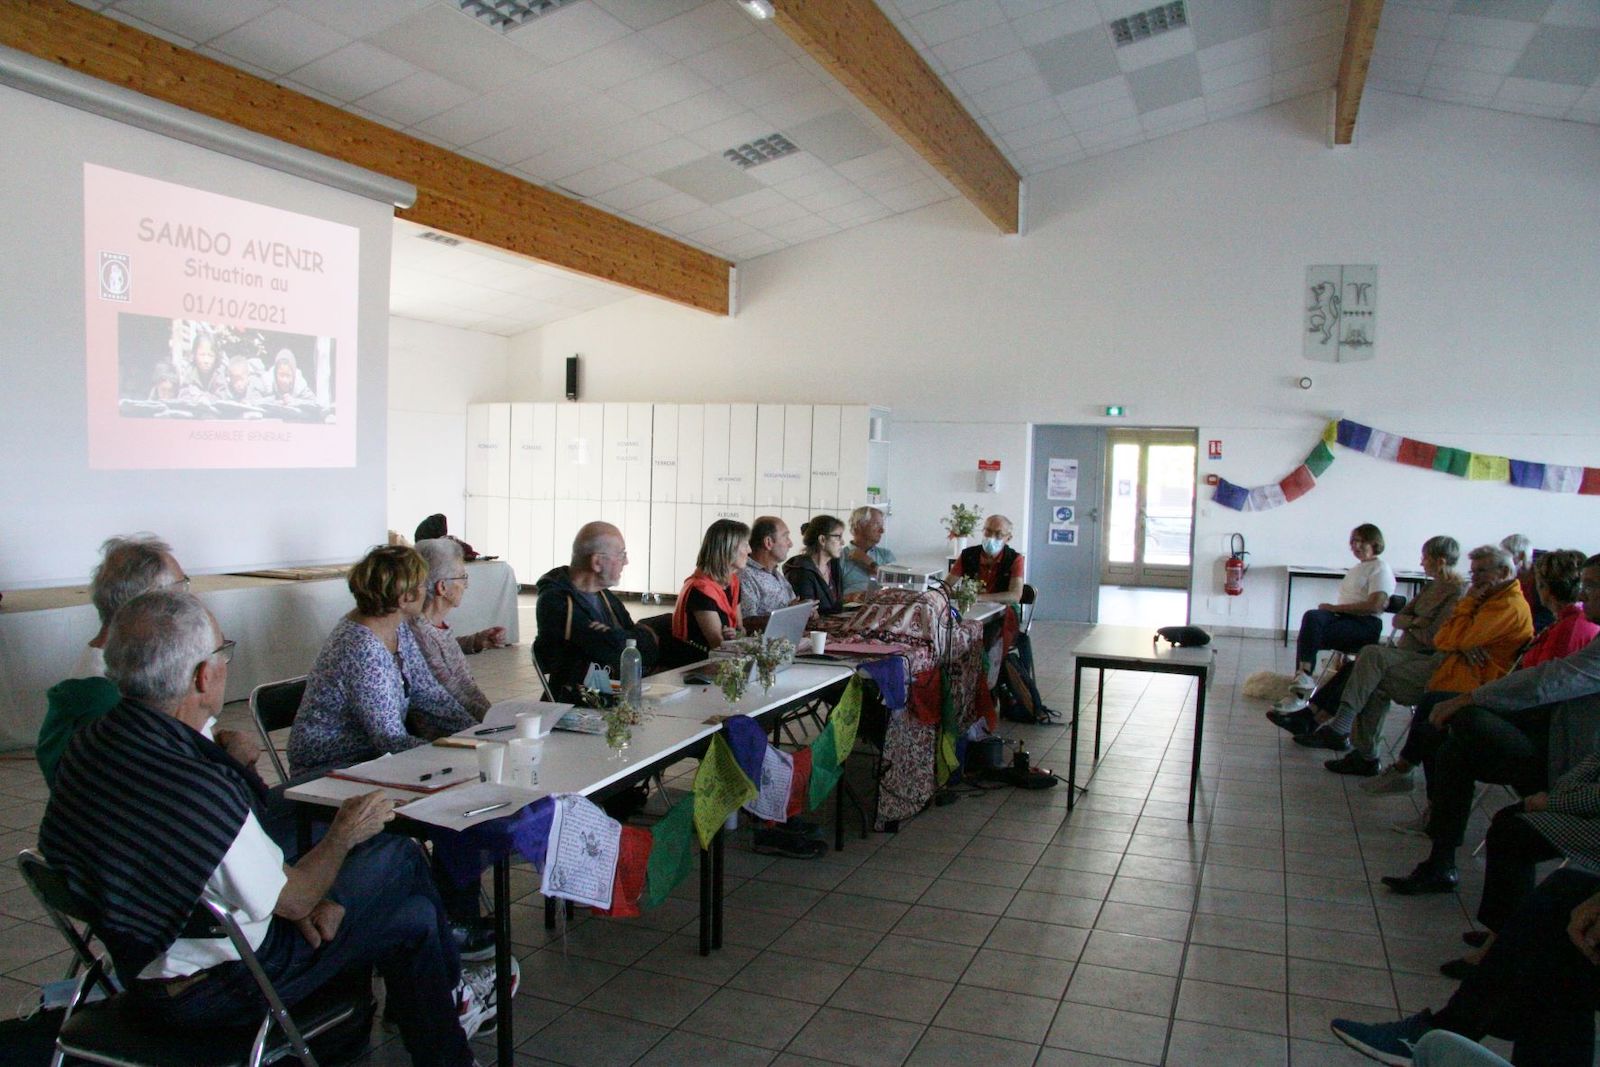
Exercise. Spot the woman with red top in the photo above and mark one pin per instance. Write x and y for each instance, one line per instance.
(707, 612)
(1558, 576)
(996, 565)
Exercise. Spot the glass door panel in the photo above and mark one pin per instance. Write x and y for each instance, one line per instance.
(1123, 507)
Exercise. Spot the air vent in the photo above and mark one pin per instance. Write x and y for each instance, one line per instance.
(506, 15)
(440, 238)
(1143, 24)
(761, 150)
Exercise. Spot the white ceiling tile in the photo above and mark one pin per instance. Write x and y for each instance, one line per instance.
(1111, 138)
(452, 44)
(641, 14)
(698, 112)
(736, 59)
(660, 88)
(635, 194)
(1451, 96)
(1057, 20)
(353, 71)
(1153, 50)
(789, 167)
(1116, 9)
(414, 98)
(1099, 116)
(1404, 46)
(1103, 92)
(1175, 117)
(774, 83)
(1250, 96)
(536, 97)
(962, 18)
(806, 229)
(567, 32)
(751, 247)
(761, 200)
(528, 138)
(913, 196)
(1016, 118)
(721, 136)
(1236, 51)
(1006, 68)
(197, 22)
(1396, 76)
(1227, 77)
(1416, 21)
(1304, 79)
(698, 219)
(1049, 155)
(1297, 53)
(1490, 33)
(1573, 13)
(985, 45)
(151, 28)
(1457, 80)
(1524, 107)
(1286, 11)
(830, 198)
(613, 64)
(776, 215)
(862, 166)
(664, 156)
(1475, 57)
(280, 41)
(856, 214)
(1545, 94)
(729, 230)
(797, 109)
(1319, 24)
(558, 160)
(597, 180)
(1052, 130)
(354, 18)
(1026, 90)
(907, 10)
(711, 24)
(893, 178)
(668, 207)
(821, 180)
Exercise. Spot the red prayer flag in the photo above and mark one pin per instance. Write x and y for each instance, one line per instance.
(1417, 453)
(1299, 482)
(800, 784)
(633, 857)
(1591, 482)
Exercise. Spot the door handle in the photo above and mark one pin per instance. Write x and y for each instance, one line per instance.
(1094, 514)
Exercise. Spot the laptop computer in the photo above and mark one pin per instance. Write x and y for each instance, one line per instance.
(788, 624)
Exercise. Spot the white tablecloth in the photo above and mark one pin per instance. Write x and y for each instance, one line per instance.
(280, 626)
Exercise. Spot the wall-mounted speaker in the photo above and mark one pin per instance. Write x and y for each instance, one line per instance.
(572, 377)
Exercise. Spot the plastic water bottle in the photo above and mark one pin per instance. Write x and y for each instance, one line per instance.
(632, 675)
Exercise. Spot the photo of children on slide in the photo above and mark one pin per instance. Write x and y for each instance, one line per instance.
(185, 369)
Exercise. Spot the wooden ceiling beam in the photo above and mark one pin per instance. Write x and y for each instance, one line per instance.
(1360, 34)
(455, 194)
(858, 45)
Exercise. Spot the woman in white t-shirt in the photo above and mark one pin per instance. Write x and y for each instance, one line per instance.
(1353, 620)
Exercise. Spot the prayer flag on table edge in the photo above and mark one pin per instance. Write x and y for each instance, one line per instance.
(671, 852)
(1417, 453)
(1559, 479)
(1590, 486)
(1353, 435)
(1383, 445)
(1231, 496)
(748, 742)
(846, 718)
(825, 768)
(1320, 459)
(720, 788)
(1483, 468)
(633, 857)
(800, 784)
(1452, 461)
(1526, 475)
(1266, 497)
(1298, 483)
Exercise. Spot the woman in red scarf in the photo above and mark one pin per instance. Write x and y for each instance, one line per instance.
(707, 612)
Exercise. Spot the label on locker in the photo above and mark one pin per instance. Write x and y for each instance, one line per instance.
(824, 474)
(734, 478)
(791, 476)
(578, 451)
(490, 445)
(666, 463)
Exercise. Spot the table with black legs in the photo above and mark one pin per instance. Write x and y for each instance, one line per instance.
(1133, 648)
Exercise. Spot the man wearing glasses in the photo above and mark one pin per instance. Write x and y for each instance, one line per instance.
(580, 621)
(128, 566)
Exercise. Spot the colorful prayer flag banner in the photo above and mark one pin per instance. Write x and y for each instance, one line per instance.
(1416, 453)
(720, 788)
(825, 768)
(671, 852)
(1558, 479)
(1383, 445)
(1481, 468)
(1590, 486)
(1231, 496)
(1525, 475)
(1330, 432)
(1353, 435)
(1266, 497)
(1298, 484)
(1320, 459)
(846, 718)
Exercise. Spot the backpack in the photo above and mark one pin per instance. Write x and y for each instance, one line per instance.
(1016, 694)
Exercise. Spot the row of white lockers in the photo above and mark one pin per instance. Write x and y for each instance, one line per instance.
(768, 455)
(661, 473)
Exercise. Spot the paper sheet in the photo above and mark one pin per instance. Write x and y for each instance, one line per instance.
(505, 712)
(581, 862)
(448, 807)
(777, 774)
(426, 769)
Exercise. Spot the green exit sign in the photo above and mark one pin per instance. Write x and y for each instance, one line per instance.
(1115, 411)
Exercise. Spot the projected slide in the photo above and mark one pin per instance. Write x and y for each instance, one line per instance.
(220, 332)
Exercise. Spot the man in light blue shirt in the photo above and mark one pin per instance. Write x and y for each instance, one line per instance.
(863, 555)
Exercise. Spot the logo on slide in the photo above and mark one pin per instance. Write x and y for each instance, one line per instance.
(116, 277)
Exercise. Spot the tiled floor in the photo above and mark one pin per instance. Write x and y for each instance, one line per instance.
(996, 930)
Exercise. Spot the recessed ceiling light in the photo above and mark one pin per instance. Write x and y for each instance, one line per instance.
(1143, 24)
(439, 238)
(506, 15)
(758, 9)
(759, 151)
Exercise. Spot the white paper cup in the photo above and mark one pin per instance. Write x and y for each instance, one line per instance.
(528, 723)
(523, 757)
(491, 762)
(819, 642)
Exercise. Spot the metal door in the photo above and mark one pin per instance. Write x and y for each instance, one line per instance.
(1064, 539)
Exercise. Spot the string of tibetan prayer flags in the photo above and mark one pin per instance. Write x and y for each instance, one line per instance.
(1380, 444)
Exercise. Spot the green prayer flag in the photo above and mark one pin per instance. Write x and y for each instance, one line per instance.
(1452, 461)
(720, 788)
(846, 718)
(1320, 459)
(671, 853)
(825, 769)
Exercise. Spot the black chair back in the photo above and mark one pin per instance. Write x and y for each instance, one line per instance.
(672, 653)
(274, 706)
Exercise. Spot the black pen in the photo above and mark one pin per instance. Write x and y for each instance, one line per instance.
(493, 730)
(430, 774)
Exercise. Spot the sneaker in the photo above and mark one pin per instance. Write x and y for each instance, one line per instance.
(475, 940)
(472, 1013)
(1390, 1043)
(1292, 703)
(1324, 737)
(481, 982)
(1304, 683)
(777, 841)
(1353, 763)
(1417, 827)
(1392, 780)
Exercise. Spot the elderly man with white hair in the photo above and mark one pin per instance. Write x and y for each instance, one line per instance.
(181, 825)
(445, 652)
(1521, 550)
(864, 554)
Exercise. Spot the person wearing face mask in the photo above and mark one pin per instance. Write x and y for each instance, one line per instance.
(580, 620)
(993, 562)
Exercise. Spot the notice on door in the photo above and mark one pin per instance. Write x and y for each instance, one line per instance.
(1064, 525)
(1063, 483)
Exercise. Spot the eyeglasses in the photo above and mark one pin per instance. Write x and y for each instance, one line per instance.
(834, 537)
(181, 584)
(225, 650)
(458, 578)
(623, 555)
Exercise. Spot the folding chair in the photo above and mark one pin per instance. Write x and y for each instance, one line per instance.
(273, 706)
(1025, 606)
(118, 1030)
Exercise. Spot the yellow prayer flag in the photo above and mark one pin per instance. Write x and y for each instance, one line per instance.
(720, 788)
(1330, 433)
(846, 717)
(1482, 468)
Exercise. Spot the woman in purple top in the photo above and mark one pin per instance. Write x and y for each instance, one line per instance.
(370, 687)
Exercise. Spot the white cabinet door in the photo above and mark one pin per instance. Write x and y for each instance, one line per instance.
(591, 473)
(825, 457)
(614, 451)
(769, 456)
(545, 550)
(741, 471)
(796, 480)
(664, 454)
(796, 518)
(691, 454)
(533, 451)
(664, 576)
(637, 456)
(633, 519)
(488, 449)
(519, 537)
(566, 517)
(714, 471)
(690, 529)
(488, 520)
(854, 429)
(572, 452)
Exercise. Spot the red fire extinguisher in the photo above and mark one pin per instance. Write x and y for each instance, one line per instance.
(1235, 567)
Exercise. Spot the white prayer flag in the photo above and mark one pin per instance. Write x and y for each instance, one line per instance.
(580, 863)
(1561, 479)
(1266, 497)
(777, 775)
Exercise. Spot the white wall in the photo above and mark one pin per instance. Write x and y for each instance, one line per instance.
(434, 373)
(1167, 277)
